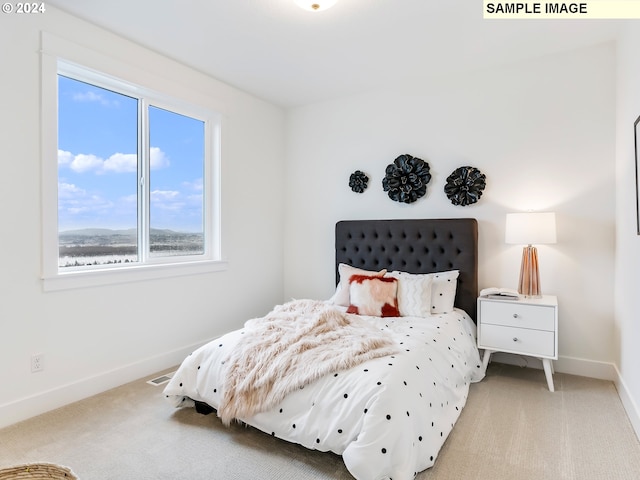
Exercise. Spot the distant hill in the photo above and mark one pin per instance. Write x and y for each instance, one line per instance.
(101, 246)
(105, 237)
(92, 232)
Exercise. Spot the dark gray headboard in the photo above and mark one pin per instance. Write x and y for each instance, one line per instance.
(414, 246)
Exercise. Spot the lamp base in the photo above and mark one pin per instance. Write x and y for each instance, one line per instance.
(529, 284)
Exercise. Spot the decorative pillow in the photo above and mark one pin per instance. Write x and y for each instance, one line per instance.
(341, 295)
(414, 294)
(442, 292)
(375, 296)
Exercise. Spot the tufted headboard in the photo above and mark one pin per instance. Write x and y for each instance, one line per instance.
(414, 246)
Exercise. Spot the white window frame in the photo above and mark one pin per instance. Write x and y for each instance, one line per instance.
(62, 57)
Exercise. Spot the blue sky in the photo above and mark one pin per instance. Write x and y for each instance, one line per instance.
(97, 162)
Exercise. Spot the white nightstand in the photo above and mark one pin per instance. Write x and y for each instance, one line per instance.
(527, 326)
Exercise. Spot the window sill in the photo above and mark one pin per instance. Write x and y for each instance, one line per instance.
(95, 278)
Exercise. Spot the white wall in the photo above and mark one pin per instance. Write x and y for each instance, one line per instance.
(95, 338)
(542, 131)
(627, 326)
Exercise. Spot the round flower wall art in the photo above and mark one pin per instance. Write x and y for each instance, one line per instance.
(406, 179)
(358, 181)
(465, 185)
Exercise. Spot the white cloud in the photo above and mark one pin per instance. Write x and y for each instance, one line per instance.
(121, 163)
(164, 195)
(116, 163)
(196, 185)
(167, 200)
(64, 157)
(158, 159)
(82, 163)
(69, 190)
(195, 199)
(75, 200)
(93, 97)
(80, 207)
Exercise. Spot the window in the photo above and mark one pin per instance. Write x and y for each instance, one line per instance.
(104, 178)
(98, 172)
(136, 185)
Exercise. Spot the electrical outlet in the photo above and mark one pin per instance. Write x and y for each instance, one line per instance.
(37, 363)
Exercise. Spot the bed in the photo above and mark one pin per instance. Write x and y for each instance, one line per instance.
(379, 373)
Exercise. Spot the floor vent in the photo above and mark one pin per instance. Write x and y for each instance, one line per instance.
(161, 379)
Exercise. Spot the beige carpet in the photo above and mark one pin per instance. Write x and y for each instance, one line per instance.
(512, 428)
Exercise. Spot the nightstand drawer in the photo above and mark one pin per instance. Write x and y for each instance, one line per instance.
(514, 314)
(524, 341)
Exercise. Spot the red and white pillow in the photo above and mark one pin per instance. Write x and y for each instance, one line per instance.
(341, 295)
(372, 295)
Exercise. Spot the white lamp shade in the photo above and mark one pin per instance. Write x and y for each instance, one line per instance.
(530, 228)
(315, 5)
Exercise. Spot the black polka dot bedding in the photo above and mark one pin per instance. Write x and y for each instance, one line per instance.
(388, 414)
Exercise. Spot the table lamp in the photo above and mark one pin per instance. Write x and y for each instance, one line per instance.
(528, 229)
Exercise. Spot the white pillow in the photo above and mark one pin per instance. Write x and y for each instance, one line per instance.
(443, 291)
(414, 294)
(341, 295)
(443, 286)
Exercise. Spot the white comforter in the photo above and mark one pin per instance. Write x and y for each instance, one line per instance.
(388, 417)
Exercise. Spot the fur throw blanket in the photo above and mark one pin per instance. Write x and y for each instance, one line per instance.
(293, 345)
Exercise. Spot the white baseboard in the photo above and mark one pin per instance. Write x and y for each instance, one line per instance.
(569, 365)
(27, 407)
(586, 368)
(628, 403)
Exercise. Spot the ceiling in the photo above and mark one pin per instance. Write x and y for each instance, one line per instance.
(291, 57)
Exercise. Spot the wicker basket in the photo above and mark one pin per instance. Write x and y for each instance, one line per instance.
(37, 471)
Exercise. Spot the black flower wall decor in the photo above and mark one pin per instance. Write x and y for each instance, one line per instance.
(406, 179)
(358, 181)
(465, 185)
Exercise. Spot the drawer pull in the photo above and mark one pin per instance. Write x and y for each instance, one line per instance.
(515, 339)
(515, 315)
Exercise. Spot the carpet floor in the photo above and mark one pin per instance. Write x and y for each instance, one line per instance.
(511, 428)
